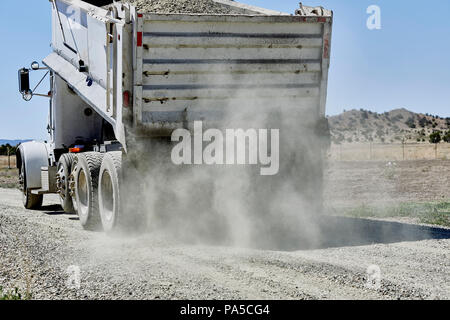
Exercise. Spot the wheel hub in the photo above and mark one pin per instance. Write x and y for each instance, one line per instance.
(61, 183)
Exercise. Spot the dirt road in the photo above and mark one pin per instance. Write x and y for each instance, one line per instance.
(42, 250)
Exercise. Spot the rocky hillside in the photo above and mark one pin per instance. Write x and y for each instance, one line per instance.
(363, 126)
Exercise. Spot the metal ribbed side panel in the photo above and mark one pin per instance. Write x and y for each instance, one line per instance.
(45, 179)
(200, 64)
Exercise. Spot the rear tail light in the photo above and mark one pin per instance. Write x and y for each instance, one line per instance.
(76, 149)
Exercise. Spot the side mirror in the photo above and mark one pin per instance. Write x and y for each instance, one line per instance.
(35, 65)
(24, 80)
(24, 84)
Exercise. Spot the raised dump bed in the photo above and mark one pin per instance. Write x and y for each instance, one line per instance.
(173, 69)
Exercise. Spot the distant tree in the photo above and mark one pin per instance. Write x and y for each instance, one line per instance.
(365, 114)
(411, 123)
(447, 122)
(435, 137)
(380, 133)
(423, 122)
(446, 137)
(4, 150)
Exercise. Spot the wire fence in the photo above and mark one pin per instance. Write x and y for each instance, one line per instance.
(389, 152)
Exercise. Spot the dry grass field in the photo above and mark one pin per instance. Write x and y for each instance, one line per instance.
(8, 177)
(412, 191)
(389, 152)
(4, 161)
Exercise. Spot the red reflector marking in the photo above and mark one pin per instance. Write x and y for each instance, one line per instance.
(322, 19)
(139, 39)
(140, 15)
(126, 99)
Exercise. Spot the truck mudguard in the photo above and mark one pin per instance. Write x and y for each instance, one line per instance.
(35, 156)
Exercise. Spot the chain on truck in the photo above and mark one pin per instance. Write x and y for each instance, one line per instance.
(117, 74)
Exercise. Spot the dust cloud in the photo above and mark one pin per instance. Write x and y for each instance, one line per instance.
(235, 205)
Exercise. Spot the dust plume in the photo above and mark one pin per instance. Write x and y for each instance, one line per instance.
(234, 204)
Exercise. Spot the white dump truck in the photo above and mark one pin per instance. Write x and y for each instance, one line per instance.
(119, 77)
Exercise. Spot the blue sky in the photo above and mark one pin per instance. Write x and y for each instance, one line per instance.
(405, 64)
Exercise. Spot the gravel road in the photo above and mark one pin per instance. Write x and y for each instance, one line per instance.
(38, 248)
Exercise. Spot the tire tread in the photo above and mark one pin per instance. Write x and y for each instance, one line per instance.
(94, 162)
(68, 160)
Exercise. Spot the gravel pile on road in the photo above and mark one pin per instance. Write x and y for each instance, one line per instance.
(180, 6)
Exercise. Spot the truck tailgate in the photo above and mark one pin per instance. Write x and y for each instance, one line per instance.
(197, 67)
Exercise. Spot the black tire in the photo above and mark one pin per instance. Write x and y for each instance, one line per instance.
(64, 170)
(109, 191)
(30, 201)
(86, 174)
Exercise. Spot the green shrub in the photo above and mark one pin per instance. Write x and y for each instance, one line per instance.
(446, 137)
(435, 137)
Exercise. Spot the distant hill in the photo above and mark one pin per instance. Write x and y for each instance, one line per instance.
(12, 142)
(362, 126)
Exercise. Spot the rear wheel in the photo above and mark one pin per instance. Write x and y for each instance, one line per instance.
(109, 190)
(86, 189)
(30, 201)
(64, 171)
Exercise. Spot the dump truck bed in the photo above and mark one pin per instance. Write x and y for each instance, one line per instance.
(197, 66)
(178, 68)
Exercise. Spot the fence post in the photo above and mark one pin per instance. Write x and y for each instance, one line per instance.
(403, 147)
(9, 158)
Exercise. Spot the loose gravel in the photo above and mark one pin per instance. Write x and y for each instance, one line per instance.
(180, 6)
(38, 250)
